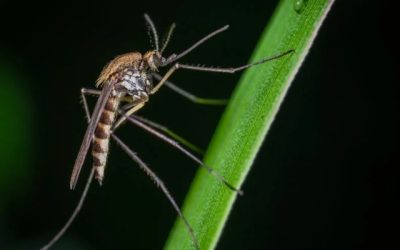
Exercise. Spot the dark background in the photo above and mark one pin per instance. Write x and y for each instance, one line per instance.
(325, 178)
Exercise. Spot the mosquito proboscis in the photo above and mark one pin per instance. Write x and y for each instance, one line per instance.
(127, 84)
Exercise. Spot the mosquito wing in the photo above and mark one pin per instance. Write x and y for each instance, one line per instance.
(87, 139)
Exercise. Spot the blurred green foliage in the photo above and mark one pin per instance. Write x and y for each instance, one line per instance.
(16, 116)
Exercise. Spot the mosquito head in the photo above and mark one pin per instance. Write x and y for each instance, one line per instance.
(153, 59)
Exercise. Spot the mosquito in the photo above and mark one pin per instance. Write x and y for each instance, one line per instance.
(126, 84)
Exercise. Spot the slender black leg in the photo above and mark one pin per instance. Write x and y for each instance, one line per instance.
(159, 183)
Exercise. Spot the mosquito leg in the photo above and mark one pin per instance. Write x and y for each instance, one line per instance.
(174, 57)
(190, 96)
(128, 113)
(73, 216)
(184, 151)
(231, 70)
(159, 183)
(87, 185)
(170, 133)
(85, 91)
(165, 78)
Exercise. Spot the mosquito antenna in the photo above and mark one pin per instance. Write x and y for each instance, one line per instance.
(152, 27)
(167, 37)
(74, 214)
(159, 183)
(183, 150)
(175, 57)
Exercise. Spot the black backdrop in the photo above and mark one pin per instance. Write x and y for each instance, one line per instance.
(325, 178)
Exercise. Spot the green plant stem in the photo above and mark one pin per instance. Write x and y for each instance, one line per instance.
(247, 119)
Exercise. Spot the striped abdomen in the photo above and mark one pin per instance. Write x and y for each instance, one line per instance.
(102, 137)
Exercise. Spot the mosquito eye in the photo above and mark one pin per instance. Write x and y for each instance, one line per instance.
(156, 60)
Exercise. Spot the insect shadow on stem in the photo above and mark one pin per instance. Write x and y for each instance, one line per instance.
(127, 83)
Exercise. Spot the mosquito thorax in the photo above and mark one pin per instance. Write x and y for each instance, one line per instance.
(118, 65)
(134, 82)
